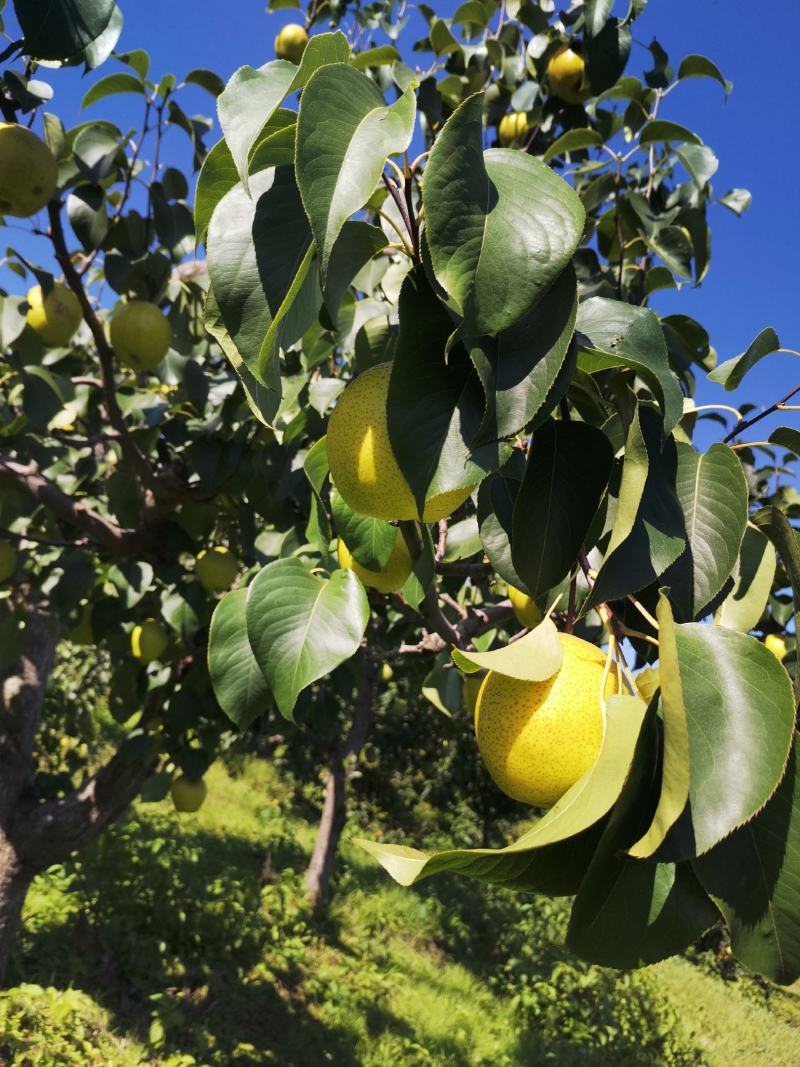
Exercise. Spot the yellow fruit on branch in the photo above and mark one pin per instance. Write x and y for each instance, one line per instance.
(363, 465)
(140, 335)
(54, 317)
(513, 127)
(393, 576)
(28, 171)
(565, 75)
(525, 608)
(188, 794)
(216, 568)
(291, 42)
(386, 673)
(149, 641)
(8, 560)
(538, 738)
(776, 645)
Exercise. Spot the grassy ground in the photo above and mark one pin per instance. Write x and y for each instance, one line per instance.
(176, 942)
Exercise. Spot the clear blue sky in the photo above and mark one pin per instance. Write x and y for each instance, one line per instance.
(754, 275)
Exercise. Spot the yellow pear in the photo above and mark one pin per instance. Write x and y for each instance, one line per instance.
(188, 794)
(140, 335)
(386, 673)
(393, 576)
(28, 171)
(82, 633)
(363, 466)
(528, 614)
(216, 568)
(512, 128)
(538, 738)
(54, 317)
(149, 641)
(8, 560)
(565, 75)
(776, 645)
(291, 42)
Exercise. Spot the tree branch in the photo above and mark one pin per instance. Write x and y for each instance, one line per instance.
(105, 352)
(747, 423)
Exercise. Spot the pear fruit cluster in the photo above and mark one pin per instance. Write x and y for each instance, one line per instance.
(538, 738)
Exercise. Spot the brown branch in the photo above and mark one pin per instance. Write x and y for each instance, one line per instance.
(101, 531)
(400, 202)
(459, 569)
(747, 423)
(105, 352)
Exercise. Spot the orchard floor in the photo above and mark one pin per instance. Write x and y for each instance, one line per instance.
(176, 942)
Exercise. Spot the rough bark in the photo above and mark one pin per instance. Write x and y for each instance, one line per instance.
(334, 812)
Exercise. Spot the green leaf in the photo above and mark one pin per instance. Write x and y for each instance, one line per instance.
(700, 162)
(519, 369)
(496, 498)
(567, 472)
(356, 245)
(435, 406)
(137, 59)
(239, 685)
(743, 607)
(501, 226)
(62, 28)
(315, 466)
(296, 313)
(110, 86)
(612, 333)
(371, 541)
(737, 200)
(250, 99)
(595, 14)
(218, 175)
(754, 876)
(740, 719)
(321, 50)
(713, 495)
(206, 79)
(581, 808)
(572, 141)
(344, 134)
(664, 130)
(675, 773)
(648, 532)
(628, 913)
(607, 54)
(443, 688)
(534, 658)
(772, 522)
(701, 67)
(786, 437)
(302, 626)
(732, 371)
(384, 54)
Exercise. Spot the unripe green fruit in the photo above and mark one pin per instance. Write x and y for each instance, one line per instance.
(216, 568)
(291, 42)
(54, 317)
(28, 171)
(82, 633)
(188, 795)
(8, 560)
(148, 641)
(140, 335)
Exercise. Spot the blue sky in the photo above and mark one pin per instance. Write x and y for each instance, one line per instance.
(753, 279)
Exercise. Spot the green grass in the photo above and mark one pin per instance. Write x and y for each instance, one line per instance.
(186, 940)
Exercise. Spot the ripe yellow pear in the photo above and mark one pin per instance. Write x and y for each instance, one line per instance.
(82, 633)
(216, 568)
(363, 466)
(149, 641)
(776, 645)
(538, 738)
(8, 560)
(565, 75)
(188, 794)
(291, 42)
(512, 128)
(525, 608)
(394, 574)
(140, 335)
(387, 673)
(28, 171)
(54, 317)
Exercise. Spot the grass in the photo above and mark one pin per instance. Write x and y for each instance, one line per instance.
(185, 940)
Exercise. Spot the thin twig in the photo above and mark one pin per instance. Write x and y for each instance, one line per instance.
(747, 423)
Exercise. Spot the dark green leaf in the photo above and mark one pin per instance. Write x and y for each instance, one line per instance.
(664, 130)
(732, 371)
(239, 685)
(370, 541)
(702, 67)
(110, 86)
(206, 79)
(60, 29)
(572, 141)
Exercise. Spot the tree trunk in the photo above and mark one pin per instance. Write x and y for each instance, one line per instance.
(334, 811)
(15, 880)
